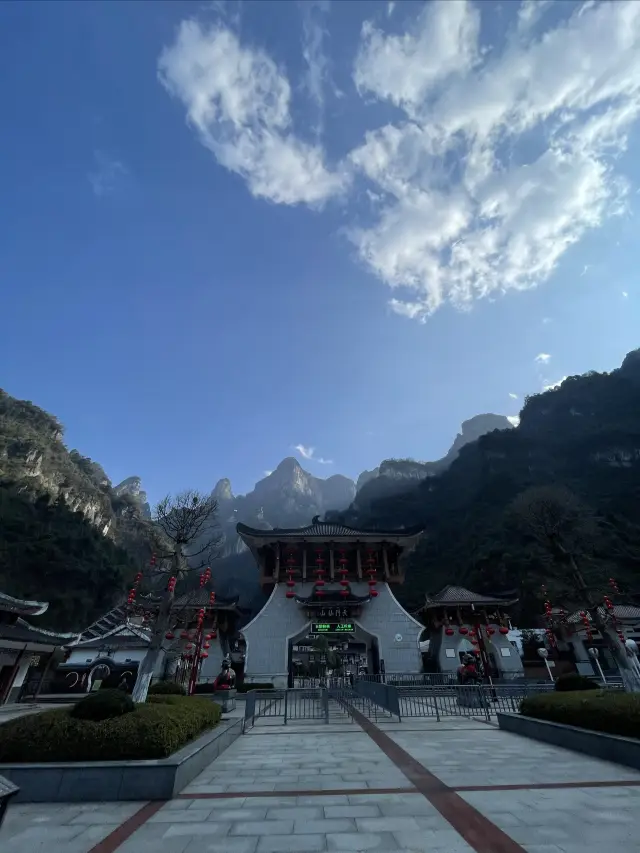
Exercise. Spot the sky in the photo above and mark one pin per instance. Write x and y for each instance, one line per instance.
(235, 232)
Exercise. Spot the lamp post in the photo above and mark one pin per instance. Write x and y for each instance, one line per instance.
(594, 654)
(544, 654)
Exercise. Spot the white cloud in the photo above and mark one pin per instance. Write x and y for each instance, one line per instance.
(552, 385)
(314, 34)
(625, 294)
(106, 176)
(513, 396)
(238, 101)
(494, 161)
(310, 454)
(390, 7)
(546, 321)
(530, 12)
(514, 420)
(469, 210)
(542, 358)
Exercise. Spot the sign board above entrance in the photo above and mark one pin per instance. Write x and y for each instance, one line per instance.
(332, 627)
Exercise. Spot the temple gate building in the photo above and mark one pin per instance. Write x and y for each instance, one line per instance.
(332, 580)
(464, 622)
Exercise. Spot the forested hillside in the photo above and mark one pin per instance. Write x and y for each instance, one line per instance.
(584, 437)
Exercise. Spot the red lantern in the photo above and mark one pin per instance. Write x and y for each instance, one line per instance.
(320, 593)
(474, 641)
(184, 635)
(206, 645)
(344, 582)
(204, 654)
(169, 635)
(291, 583)
(189, 646)
(320, 582)
(212, 598)
(344, 593)
(290, 594)
(373, 593)
(214, 635)
(503, 630)
(449, 632)
(464, 630)
(490, 632)
(208, 636)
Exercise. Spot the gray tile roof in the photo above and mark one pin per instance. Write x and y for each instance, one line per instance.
(323, 529)
(460, 595)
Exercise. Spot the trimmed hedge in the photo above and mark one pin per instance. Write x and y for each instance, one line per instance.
(574, 681)
(609, 711)
(153, 730)
(103, 705)
(167, 688)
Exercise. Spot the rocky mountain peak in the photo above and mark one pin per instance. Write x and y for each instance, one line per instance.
(472, 429)
(222, 491)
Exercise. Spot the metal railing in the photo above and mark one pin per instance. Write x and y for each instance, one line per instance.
(465, 700)
(385, 696)
(287, 705)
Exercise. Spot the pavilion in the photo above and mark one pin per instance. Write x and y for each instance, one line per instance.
(27, 653)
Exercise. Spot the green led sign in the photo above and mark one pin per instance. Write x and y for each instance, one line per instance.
(332, 628)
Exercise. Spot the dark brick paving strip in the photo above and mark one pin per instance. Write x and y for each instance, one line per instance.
(477, 830)
(126, 829)
(301, 792)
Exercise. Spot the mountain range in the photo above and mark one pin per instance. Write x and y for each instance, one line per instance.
(584, 434)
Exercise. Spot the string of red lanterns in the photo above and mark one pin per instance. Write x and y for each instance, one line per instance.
(548, 612)
(612, 613)
(371, 571)
(291, 561)
(319, 572)
(343, 571)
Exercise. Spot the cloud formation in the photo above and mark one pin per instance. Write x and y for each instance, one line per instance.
(309, 453)
(513, 396)
(106, 175)
(497, 160)
(238, 101)
(542, 358)
(553, 385)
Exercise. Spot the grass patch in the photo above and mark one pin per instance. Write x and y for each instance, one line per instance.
(610, 711)
(154, 730)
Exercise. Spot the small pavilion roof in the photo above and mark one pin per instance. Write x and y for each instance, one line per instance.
(23, 607)
(459, 596)
(332, 598)
(325, 531)
(200, 598)
(623, 612)
(124, 635)
(21, 631)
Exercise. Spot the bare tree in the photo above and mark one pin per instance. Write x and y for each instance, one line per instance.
(187, 523)
(567, 530)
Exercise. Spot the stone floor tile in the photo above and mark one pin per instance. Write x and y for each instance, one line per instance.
(262, 827)
(386, 824)
(364, 810)
(292, 844)
(361, 841)
(219, 845)
(410, 806)
(197, 828)
(295, 813)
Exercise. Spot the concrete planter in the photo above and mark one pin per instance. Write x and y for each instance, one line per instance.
(620, 750)
(109, 781)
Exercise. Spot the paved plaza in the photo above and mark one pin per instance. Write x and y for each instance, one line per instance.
(457, 786)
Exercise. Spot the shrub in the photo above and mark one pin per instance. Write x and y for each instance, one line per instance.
(574, 681)
(167, 688)
(613, 712)
(103, 705)
(155, 730)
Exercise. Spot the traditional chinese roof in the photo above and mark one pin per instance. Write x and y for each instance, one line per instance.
(325, 531)
(122, 636)
(332, 598)
(458, 596)
(23, 607)
(21, 631)
(623, 612)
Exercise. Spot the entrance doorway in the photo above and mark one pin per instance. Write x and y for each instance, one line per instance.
(316, 659)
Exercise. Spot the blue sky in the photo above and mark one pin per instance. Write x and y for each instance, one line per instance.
(228, 229)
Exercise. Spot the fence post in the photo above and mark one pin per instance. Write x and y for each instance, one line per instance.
(286, 694)
(325, 704)
(435, 702)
